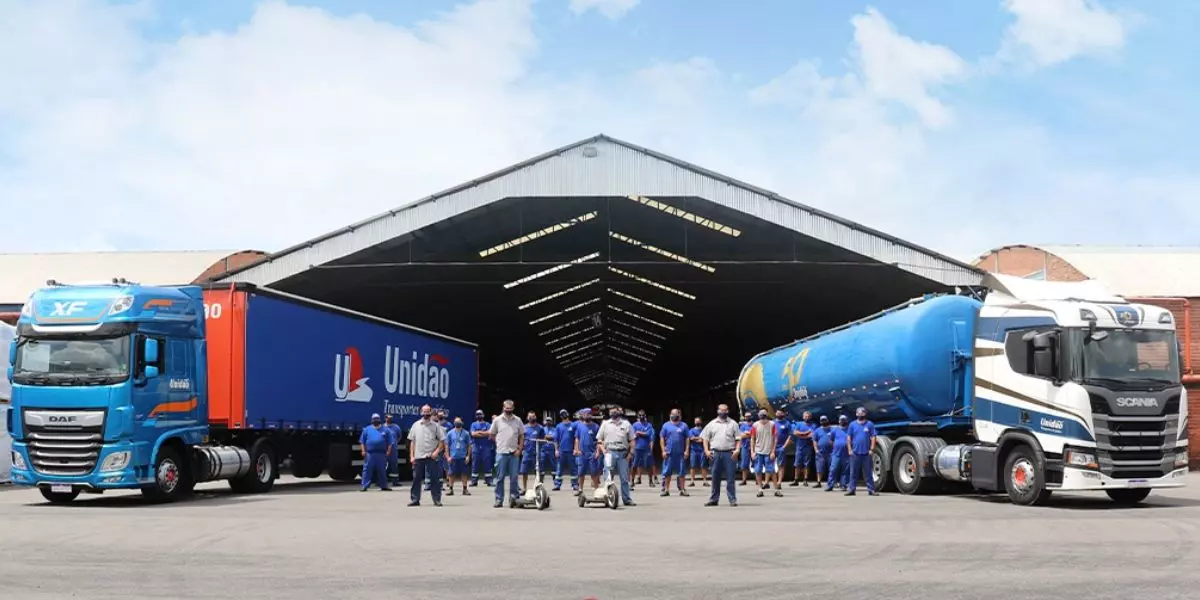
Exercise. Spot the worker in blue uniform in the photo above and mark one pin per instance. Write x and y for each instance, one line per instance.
(458, 442)
(675, 451)
(377, 444)
(529, 452)
(564, 439)
(587, 462)
(393, 462)
(839, 457)
(823, 442)
(862, 444)
(483, 451)
(549, 449)
(783, 440)
(802, 431)
(744, 428)
(643, 443)
(699, 460)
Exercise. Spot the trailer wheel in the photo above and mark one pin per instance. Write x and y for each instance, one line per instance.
(172, 477)
(582, 500)
(541, 498)
(59, 497)
(906, 472)
(1129, 496)
(1024, 477)
(884, 481)
(263, 470)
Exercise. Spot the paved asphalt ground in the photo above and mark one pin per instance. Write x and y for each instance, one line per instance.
(316, 539)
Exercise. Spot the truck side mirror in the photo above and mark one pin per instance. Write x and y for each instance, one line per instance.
(9, 373)
(150, 352)
(151, 371)
(1043, 346)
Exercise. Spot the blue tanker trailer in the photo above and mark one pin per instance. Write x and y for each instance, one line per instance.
(1038, 387)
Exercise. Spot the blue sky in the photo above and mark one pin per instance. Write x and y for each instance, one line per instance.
(960, 125)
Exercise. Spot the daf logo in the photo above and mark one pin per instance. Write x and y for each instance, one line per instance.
(61, 419)
(1138, 402)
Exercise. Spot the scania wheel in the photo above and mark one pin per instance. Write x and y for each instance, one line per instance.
(58, 497)
(263, 470)
(1128, 496)
(1024, 477)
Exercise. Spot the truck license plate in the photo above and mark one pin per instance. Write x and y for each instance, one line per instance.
(60, 489)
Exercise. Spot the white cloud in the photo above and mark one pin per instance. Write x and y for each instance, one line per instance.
(613, 9)
(299, 122)
(1055, 31)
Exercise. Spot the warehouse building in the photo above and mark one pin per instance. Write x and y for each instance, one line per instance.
(1166, 276)
(603, 270)
(21, 274)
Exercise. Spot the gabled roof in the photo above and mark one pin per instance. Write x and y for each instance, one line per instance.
(21, 274)
(604, 166)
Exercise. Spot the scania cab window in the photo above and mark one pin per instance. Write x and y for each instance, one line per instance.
(1130, 355)
(84, 360)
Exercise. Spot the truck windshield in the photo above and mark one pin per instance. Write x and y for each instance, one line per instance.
(71, 361)
(1130, 355)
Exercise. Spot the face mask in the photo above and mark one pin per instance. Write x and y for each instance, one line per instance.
(531, 419)
(641, 417)
(674, 417)
(457, 425)
(862, 418)
(375, 423)
(478, 417)
(426, 416)
(808, 419)
(508, 411)
(614, 416)
(722, 414)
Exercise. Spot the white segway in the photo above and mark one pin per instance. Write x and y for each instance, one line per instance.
(607, 494)
(536, 496)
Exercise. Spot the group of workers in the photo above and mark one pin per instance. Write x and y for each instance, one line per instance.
(503, 448)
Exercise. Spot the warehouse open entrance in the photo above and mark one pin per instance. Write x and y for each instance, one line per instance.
(603, 272)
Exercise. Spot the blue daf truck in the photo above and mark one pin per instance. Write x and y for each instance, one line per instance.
(127, 386)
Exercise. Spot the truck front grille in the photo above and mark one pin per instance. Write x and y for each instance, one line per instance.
(64, 442)
(1135, 447)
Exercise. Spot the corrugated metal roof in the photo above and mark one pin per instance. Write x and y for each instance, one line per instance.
(603, 166)
(21, 274)
(1137, 270)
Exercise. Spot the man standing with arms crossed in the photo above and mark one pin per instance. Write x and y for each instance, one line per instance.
(483, 450)
(458, 445)
(699, 460)
(614, 441)
(393, 473)
(643, 457)
(509, 435)
(763, 435)
(862, 443)
(675, 445)
(744, 462)
(426, 451)
(585, 450)
(802, 432)
(720, 439)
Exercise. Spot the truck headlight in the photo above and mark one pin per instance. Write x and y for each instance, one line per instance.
(115, 461)
(1181, 459)
(18, 461)
(1079, 459)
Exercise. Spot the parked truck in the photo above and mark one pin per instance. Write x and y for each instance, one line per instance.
(125, 386)
(1023, 387)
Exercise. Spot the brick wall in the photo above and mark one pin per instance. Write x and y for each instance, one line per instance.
(232, 262)
(1022, 261)
(1025, 260)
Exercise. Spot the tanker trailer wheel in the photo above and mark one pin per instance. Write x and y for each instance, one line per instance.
(906, 472)
(58, 497)
(881, 471)
(1024, 477)
(172, 477)
(263, 470)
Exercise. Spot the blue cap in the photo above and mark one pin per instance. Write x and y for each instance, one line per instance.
(585, 411)
(375, 416)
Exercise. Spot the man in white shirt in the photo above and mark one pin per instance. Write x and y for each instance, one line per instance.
(721, 439)
(615, 441)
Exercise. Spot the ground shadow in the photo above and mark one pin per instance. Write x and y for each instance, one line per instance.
(1091, 502)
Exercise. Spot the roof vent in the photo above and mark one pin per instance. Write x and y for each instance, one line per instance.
(590, 151)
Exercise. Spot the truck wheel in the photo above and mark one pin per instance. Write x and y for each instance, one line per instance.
(172, 477)
(907, 472)
(59, 497)
(1024, 477)
(884, 479)
(1128, 497)
(263, 470)
(343, 474)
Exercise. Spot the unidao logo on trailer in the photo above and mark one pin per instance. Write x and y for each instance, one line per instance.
(427, 376)
(349, 385)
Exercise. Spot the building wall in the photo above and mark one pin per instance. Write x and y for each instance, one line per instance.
(1025, 261)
